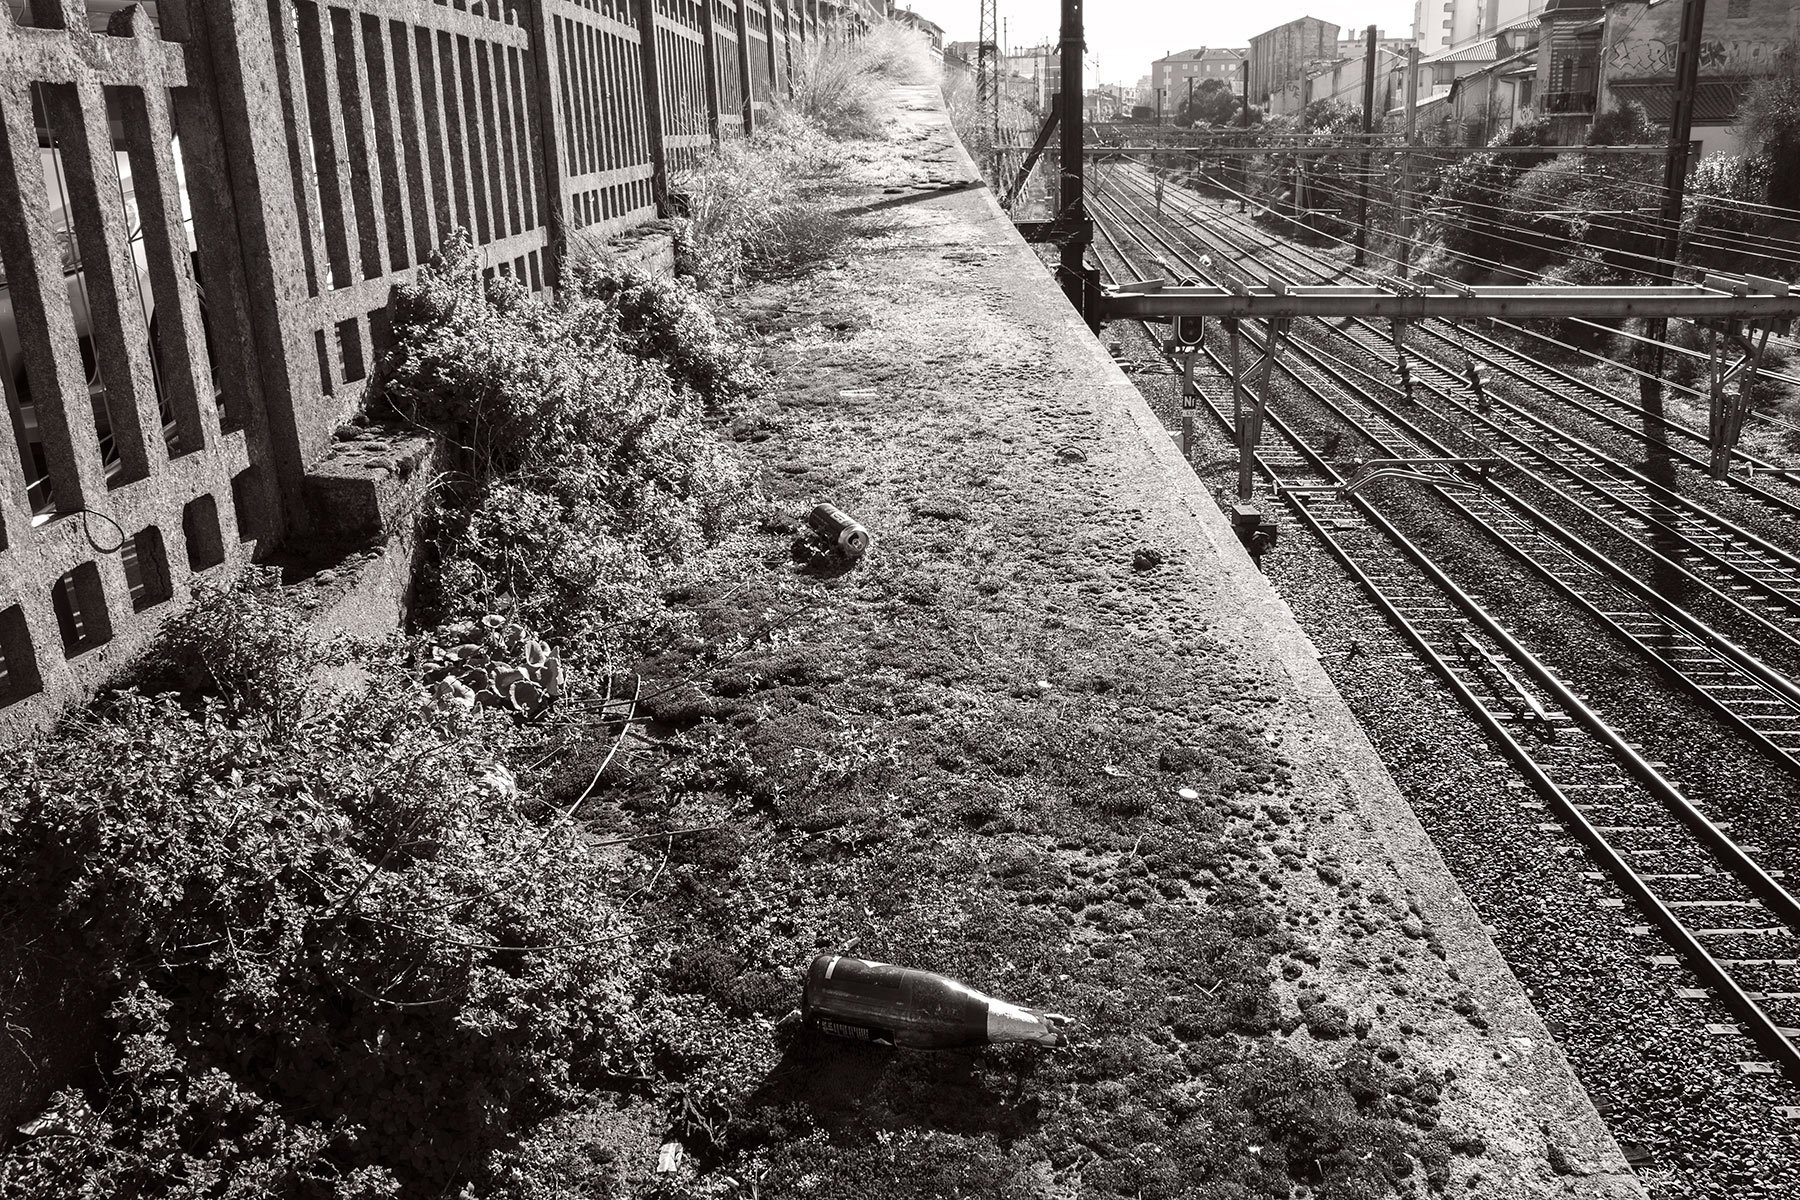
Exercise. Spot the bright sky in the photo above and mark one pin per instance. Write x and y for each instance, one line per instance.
(1124, 36)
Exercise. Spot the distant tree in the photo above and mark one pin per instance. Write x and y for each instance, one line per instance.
(1213, 104)
(1770, 115)
(1330, 116)
(1528, 133)
(1627, 125)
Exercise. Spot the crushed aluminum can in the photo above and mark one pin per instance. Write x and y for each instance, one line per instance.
(901, 1006)
(840, 532)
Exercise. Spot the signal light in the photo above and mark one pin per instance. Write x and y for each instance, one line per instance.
(1190, 331)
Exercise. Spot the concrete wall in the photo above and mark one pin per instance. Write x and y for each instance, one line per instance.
(1740, 38)
(1284, 53)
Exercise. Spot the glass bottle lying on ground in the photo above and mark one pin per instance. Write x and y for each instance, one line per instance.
(878, 1002)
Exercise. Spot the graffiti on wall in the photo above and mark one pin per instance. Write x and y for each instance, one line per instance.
(1628, 59)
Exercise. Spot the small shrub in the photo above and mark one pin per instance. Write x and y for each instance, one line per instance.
(593, 474)
(1725, 224)
(361, 921)
(250, 652)
(670, 322)
(1627, 125)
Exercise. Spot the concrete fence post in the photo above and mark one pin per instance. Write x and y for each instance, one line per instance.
(653, 109)
(709, 33)
(769, 29)
(741, 9)
(787, 42)
(553, 135)
(252, 100)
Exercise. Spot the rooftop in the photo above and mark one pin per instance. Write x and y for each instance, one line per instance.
(1486, 50)
(1715, 100)
(1200, 53)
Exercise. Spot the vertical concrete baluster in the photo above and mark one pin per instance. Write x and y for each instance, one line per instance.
(653, 103)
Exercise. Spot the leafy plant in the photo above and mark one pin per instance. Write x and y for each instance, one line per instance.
(592, 473)
(360, 919)
(246, 649)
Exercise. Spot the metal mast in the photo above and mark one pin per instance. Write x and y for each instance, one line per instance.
(1675, 169)
(987, 68)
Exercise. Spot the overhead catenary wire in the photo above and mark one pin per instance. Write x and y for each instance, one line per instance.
(1476, 260)
(1681, 350)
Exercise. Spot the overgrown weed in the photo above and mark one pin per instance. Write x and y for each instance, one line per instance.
(344, 957)
(756, 207)
(593, 474)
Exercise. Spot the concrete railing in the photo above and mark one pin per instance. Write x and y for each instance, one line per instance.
(202, 217)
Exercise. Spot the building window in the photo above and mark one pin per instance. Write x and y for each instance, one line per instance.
(1738, 10)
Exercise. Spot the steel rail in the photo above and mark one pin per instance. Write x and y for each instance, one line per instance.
(1658, 609)
(1761, 1028)
(1679, 631)
(1310, 150)
(1677, 510)
(1660, 605)
(1680, 509)
(1733, 669)
(1725, 528)
(1687, 432)
(1749, 487)
(1546, 301)
(1789, 506)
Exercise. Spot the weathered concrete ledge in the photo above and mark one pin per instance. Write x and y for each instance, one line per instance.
(955, 340)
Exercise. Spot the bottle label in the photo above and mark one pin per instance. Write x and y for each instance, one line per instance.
(839, 1029)
(855, 1033)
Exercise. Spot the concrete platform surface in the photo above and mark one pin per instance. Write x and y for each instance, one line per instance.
(950, 384)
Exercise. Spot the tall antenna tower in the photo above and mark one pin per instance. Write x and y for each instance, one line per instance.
(987, 67)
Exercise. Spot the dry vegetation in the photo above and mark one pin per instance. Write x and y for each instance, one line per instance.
(760, 209)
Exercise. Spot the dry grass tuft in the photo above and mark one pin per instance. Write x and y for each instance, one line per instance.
(753, 206)
(843, 88)
(757, 207)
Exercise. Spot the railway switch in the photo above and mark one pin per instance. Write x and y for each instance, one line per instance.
(1477, 379)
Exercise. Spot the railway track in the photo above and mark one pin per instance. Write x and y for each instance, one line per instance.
(1755, 698)
(1731, 922)
(1713, 547)
(1778, 489)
